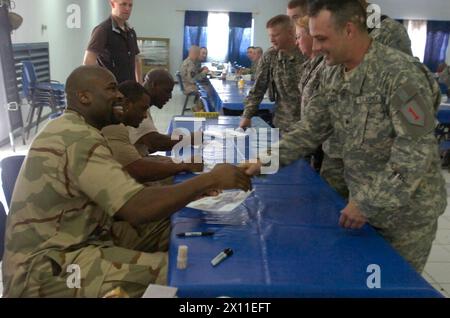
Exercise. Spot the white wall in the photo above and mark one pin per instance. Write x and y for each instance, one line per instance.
(150, 18)
(66, 45)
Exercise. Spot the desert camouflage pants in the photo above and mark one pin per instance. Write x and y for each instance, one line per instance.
(332, 171)
(138, 259)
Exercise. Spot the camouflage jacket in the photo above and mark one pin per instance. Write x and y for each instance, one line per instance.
(310, 80)
(444, 76)
(384, 119)
(393, 34)
(280, 73)
(190, 73)
(66, 195)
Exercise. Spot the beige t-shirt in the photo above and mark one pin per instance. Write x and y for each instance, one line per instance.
(119, 141)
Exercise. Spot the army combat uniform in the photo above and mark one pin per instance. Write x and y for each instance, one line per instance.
(309, 84)
(383, 117)
(190, 72)
(444, 76)
(280, 73)
(62, 218)
(393, 34)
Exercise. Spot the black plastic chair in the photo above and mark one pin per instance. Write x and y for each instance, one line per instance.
(10, 170)
(180, 81)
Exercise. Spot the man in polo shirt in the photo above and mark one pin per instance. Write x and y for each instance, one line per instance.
(113, 44)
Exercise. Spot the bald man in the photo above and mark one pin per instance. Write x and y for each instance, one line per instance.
(190, 72)
(159, 83)
(79, 225)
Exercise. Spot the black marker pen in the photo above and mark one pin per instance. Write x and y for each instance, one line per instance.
(192, 234)
(223, 255)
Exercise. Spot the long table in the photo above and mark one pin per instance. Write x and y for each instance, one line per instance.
(287, 243)
(229, 96)
(443, 114)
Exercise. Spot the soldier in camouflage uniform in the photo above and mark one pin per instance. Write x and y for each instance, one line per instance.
(380, 104)
(310, 80)
(76, 214)
(279, 71)
(254, 54)
(392, 34)
(444, 76)
(191, 70)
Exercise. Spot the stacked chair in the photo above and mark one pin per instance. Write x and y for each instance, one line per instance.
(41, 94)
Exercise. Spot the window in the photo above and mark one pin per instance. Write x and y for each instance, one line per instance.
(217, 36)
(417, 31)
(226, 35)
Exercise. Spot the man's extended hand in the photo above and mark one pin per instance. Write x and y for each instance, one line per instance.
(251, 169)
(231, 177)
(245, 123)
(351, 217)
(193, 167)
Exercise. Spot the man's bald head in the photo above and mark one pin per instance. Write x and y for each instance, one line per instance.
(84, 78)
(92, 92)
(160, 84)
(158, 76)
(194, 52)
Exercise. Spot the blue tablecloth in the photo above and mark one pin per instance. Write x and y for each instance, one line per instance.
(228, 95)
(287, 243)
(443, 114)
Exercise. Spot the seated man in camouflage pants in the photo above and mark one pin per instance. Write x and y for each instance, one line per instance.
(79, 226)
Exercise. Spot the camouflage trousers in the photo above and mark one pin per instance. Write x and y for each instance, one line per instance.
(412, 242)
(138, 258)
(332, 171)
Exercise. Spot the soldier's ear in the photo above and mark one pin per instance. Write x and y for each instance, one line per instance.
(84, 97)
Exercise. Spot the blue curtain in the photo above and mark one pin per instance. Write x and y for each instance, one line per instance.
(239, 37)
(437, 42)
(195, 28)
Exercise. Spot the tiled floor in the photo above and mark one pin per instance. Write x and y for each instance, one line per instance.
(437, 270)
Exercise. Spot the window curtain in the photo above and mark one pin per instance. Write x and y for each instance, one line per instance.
(240, 37)
(437, 42)
(195, 30)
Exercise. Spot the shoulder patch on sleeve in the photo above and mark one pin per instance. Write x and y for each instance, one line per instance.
(413, 108)
(413, 113)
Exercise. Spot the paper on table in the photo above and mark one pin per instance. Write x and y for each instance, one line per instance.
(159, 291)
(189, 119)
(223, 203)
(225, 133)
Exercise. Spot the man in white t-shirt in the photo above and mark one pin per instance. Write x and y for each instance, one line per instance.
(146, 138)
